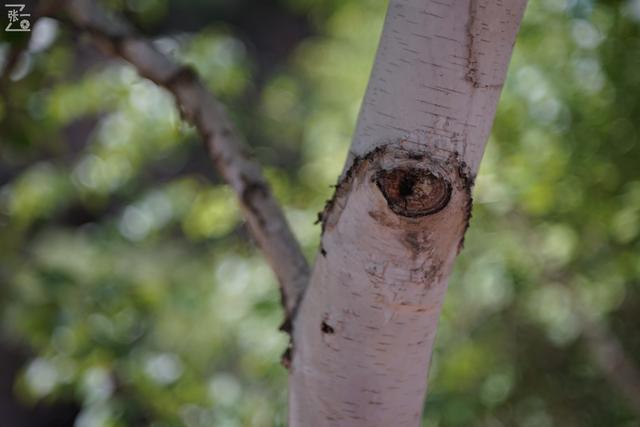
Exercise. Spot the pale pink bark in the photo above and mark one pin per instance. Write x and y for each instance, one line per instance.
(364, 332)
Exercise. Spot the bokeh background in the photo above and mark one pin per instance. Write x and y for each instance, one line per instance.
(130, 291)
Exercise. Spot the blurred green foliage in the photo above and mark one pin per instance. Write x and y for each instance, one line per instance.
(127, 271)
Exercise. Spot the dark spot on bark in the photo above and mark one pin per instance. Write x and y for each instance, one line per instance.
(468, 182)
(287, 324)
(326, 328)
(433, 274)
(467, 223)
(287, 328)
(286, 358)
(472, 55)
(413, 192)
(416, 242)
(253, 188)
(323, 252)
(412, 240)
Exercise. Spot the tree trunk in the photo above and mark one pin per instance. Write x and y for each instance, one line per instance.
(364, 332)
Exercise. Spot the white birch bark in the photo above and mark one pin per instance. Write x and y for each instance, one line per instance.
(364, 332)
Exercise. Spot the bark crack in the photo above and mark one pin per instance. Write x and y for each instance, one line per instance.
(472, 56)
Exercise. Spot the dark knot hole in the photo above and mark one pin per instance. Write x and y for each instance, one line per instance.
(413, 192)
(407, 182)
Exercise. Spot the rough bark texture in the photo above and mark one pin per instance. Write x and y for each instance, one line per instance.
(364, 332)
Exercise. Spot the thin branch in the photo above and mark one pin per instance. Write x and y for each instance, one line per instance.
(223, 142)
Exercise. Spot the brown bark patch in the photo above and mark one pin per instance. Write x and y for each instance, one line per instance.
(414, 183)
(413, 192)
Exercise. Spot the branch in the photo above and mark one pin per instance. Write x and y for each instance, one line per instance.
(223, 142)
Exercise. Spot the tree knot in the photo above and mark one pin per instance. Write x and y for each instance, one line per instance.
(413, 192)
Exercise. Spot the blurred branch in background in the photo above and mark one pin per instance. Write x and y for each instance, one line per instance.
(609, 355)
(201, 108)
